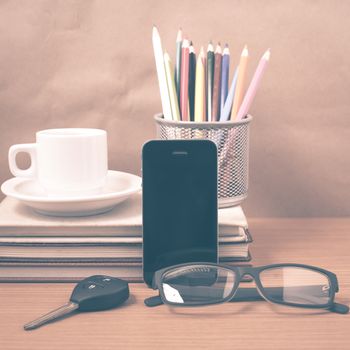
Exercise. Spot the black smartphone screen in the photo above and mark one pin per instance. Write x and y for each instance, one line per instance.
(179, 181)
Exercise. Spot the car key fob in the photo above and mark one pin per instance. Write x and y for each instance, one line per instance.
(100, 293)
(94, 293)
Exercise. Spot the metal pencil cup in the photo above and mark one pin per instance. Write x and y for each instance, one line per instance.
(232, 141)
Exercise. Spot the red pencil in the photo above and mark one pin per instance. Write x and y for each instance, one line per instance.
(184, 80)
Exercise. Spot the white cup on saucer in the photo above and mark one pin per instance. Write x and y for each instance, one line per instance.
(65, 162)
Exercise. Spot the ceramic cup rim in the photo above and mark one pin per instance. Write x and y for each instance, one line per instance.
(71, 132)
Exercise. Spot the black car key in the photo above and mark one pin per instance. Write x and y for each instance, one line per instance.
(91, 294)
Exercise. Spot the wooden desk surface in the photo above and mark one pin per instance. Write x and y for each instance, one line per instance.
(320, 242)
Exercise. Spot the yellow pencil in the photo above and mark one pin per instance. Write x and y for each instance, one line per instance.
(171, 88)
(240, 83)
(199, 101)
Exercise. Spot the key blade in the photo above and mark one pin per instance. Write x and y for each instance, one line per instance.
(61, 311)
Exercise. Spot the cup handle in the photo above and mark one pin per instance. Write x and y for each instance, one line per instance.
(29, 148)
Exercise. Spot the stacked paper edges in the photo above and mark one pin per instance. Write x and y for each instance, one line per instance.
(38, 248)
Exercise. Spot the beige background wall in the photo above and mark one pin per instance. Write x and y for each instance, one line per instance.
(90, 64)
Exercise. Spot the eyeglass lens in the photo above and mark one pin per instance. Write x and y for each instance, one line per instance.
(198, 284)
(300, 286)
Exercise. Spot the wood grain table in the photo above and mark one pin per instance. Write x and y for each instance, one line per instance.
(254, 325)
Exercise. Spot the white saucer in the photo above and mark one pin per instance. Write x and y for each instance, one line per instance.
(119, 187)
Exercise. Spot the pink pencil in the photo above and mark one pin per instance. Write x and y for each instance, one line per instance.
(253, 87)
(184, 80)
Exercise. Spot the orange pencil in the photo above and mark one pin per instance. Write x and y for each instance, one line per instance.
(184, 80)
(242, 69)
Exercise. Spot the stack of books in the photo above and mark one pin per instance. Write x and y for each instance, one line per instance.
(42, 248)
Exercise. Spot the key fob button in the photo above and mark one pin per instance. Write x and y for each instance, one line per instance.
(91, 286)
(100, 279)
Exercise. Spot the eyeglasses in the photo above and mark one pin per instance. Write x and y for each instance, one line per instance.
(197, 284)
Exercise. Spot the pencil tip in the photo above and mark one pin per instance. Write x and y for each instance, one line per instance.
(155, 32)
(245, 51)
(267, 54)
(218, 49)
(179, 35)
(166, 56)
(185, 43)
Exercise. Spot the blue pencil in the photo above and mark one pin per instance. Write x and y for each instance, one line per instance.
(226, 112)
(225, 67)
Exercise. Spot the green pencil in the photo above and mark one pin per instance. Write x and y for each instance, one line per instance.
(192, 81)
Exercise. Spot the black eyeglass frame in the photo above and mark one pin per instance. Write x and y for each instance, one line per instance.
(254, 272)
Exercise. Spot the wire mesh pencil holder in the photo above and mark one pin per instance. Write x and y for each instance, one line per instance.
(232, 141)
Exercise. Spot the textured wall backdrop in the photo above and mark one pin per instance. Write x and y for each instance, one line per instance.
(87, 63)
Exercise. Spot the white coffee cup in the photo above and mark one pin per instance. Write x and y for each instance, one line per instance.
(70, 161)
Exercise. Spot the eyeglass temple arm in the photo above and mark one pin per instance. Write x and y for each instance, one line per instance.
(153, 301)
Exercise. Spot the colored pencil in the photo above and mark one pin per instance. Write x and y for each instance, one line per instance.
(184, 80)
(253, 86)
(226, 112)
(240, 83)
(215, 113)
(158, 55)
(210, 79)
(171, 87)
(199, 115)
(191, 80)
(225, 71)
(178, 63)
(204, 61)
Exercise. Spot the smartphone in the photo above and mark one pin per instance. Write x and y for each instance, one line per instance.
(179, 203)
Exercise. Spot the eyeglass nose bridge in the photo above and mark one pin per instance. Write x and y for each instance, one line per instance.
(246, 271)
(249, 271)
(241, 276)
